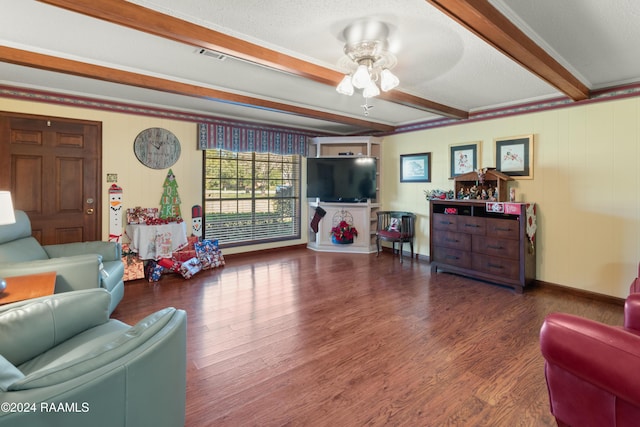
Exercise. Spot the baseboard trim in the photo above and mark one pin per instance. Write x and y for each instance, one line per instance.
(581, 293)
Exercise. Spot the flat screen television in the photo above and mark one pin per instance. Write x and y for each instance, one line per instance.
(341, 179)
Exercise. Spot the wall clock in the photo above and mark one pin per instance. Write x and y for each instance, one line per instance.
(156, 148)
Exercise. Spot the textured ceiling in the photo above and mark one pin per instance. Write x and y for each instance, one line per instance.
(438, 59)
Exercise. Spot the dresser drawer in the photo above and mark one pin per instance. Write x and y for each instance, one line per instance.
(472, 225)
(454, 257)
(449, 239)
(505, 248)
(501, 267)
(445, 222)
(505, 228)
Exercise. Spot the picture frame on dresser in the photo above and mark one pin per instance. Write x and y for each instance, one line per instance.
(464, 158)
(514, 156)
(415, 167)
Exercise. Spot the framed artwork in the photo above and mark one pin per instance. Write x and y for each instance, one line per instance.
(514, 156)
(415, 167)
(464, 158)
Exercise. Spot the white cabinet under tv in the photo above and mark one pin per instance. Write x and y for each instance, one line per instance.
(361, 214)
(357, 214)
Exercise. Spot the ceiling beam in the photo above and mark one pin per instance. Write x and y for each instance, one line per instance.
(484, 20)
(149, 21)
(412, 101)
(112, 75)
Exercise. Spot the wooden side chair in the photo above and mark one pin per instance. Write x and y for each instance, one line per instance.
(395, 226)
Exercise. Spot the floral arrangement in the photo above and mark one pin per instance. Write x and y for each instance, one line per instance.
(344, 231)
(439, 194)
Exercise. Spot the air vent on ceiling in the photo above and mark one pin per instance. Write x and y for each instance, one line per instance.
(211, 54)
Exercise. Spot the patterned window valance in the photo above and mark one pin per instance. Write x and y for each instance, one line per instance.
(248, 138)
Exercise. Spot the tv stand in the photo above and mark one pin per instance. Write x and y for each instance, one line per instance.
(346, 201)
(362, 211)
(358, 214)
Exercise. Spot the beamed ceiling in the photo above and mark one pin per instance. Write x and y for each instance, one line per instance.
(278, 62)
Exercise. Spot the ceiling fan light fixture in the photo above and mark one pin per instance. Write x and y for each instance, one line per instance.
(367, 62)
(345, 87)
(388, 80)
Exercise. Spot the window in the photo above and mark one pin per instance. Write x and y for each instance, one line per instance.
(251, 197)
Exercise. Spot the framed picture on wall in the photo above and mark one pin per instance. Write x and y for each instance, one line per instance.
(514, 156)
(415, 167)
(464, 158)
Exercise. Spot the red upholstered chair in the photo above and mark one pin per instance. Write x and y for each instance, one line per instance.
(635, 285)
(395, 226)
(592, 369)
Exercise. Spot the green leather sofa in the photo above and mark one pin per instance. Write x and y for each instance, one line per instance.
(63, 362)
(82, 265)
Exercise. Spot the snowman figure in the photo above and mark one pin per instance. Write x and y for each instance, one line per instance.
(196, 221)
(115, 213)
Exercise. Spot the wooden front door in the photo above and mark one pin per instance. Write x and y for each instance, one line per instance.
(51, 166)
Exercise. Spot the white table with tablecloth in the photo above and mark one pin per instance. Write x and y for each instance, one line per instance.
(156, 241)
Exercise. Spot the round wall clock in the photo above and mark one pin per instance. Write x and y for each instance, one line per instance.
(156, 148)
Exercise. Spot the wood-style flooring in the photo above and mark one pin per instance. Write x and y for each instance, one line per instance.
(302, 338)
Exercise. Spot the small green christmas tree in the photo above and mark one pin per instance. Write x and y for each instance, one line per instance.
(170, 200)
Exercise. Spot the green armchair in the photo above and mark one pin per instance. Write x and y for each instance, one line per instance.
(81, 265)
(63, 362)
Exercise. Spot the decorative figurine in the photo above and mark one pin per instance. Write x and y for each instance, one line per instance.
(115, 213)
(196, 221)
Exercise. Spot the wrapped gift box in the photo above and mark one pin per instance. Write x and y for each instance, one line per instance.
(190, 267)
(140, 215)
(209, 254)
(188, 252)
(170, 264)
(153, 271)
(133, 266)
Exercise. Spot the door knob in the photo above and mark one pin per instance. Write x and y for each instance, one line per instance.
(90, 211)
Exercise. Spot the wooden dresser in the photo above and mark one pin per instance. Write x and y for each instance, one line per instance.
(493, 242)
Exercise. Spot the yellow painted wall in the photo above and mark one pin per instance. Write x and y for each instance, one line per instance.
(586, 186)
(585, 182)
(141, 185)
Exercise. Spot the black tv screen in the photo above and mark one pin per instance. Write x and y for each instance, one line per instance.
(341, 179)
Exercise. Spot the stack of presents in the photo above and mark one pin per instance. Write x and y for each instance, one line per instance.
(196, 256)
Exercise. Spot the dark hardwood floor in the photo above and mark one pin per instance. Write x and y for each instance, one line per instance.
(303, 338)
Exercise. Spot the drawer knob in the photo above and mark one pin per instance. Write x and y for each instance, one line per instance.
(494, 265)
(502, 229)
(495, 247)
(472, 225)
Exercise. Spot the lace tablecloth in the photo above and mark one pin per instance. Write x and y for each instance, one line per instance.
(156, 241)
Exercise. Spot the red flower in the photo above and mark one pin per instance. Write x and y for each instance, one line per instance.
(344, 231)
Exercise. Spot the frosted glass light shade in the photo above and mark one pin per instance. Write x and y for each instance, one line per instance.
(361, 77)
(6, 208)
(345, 87)
(371, 90)
(388, 80)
